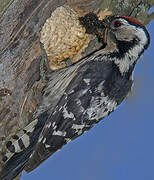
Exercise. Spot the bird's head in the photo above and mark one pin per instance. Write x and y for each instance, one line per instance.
(127, 29)
(127, 33)
(129, 38)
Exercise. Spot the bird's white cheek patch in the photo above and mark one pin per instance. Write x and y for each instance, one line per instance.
(133, 54)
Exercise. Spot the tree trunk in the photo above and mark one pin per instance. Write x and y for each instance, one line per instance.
(20, 53)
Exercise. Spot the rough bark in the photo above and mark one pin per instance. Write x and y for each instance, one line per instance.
(20, 53)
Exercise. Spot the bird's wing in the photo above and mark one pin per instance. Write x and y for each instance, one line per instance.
(82, 105)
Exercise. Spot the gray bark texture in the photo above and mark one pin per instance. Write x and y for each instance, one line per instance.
(20, 53)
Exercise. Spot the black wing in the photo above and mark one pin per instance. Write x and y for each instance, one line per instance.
(93, 93)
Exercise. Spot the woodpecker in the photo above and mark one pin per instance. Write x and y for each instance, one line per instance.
(76, 98)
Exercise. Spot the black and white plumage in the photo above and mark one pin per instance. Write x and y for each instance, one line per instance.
(78, 97)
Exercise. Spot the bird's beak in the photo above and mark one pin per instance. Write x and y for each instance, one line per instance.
(105, 35)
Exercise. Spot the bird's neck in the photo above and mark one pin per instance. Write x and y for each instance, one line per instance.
(125, 55)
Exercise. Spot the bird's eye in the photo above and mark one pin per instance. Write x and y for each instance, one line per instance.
(117, 24)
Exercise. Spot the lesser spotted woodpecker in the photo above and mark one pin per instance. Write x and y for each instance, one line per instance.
(78, 97)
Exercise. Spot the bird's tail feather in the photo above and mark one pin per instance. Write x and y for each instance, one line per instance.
(18, 150)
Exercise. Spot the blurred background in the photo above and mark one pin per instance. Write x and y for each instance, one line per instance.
(121, 147)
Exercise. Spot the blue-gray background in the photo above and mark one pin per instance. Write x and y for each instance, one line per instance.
(121, 147)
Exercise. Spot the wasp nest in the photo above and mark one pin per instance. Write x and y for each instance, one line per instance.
(64, 37)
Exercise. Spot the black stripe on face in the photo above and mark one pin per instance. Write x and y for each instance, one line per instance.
(123, 48)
